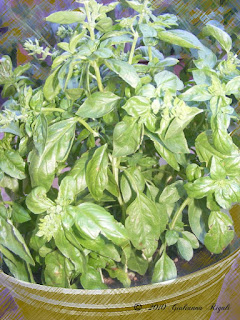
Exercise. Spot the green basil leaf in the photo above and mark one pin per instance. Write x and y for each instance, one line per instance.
(137, 106)
(200, 187)
(190, 237)
(96, 172)
(196, 93)
(40, 133)
(181, 38)
(147, 31)
(78, 172)
(19, 214)
(217, 170)
(164, 152)
(165, 269)
(121, 275)
(126, 137)
(37, 200)
(69, 251)
(168, 80)
(171, 237)
(221, 36)
(233, 86)
(227, 192)
(59, 141)
(143, 224)
(173, 192)
(185, 249)
(205, 147)
(11, 238)
(136, 5)
(91, 279)
(12, 164)
(137, 263)
(99, 245)
(91, 219)
(219, 236)
(51, 87)
(3, 212)
(198, 214)
(16, 265)
(67, 191)
(66, 17)
(55, 272)
(98, 104)
(112, 186)
(124, 70)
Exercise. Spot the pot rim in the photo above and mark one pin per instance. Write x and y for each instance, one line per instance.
(40, 287)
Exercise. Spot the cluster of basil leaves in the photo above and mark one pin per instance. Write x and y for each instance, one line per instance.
(100, 124)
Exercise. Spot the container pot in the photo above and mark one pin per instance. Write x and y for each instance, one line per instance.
(190, 295)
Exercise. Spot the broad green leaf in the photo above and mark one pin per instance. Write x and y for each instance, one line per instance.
(147, 90)
(19, 213)
(40, 133)
(66, 17)
(126, 137)
(147, 31)
(99, 245)
(112, 186)
(227, 192)
(164, 269)
(21, 69)
(223, 142)
(219, 236)
(55, 272)
(217, 170)
(103, 53)
(121, 275)
(92, 219)
(124, 70)
(168, 80)
(137, 263)
(205, 147)
(51, 87)
(137, 106)
(136, 5)
(96, 172)
(232, 165)
(3, 212)
(78, 172)
(190, 237)
(127, 188)
(104, 25)
(59, 141)
(176, 143)
(164, 152)
(69, 251)
(200, 187)
(173, 192)
(16, 265)
(196, 93)
(198, 214)
(67, 191)
(181, 38)
(11, 238)
(233, 86)
(185, 249)
(220, 35)
(98, 104)
(143, 224)
(5, 68)
(37, 200)
(91, 279)
(12, 164)
(171, 237)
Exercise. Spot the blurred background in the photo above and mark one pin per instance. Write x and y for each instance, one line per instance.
(21, 20)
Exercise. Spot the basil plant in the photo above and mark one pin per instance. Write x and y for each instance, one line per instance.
(115, 166)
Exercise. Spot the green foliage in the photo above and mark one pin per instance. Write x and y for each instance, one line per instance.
(81, 155)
